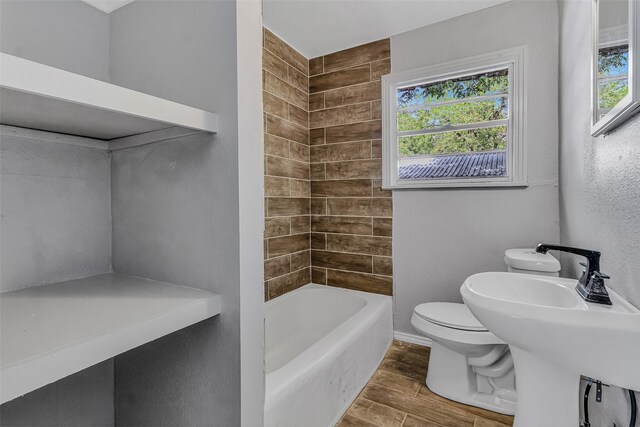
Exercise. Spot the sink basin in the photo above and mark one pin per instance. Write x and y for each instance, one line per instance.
(526, 290)
(555, 336)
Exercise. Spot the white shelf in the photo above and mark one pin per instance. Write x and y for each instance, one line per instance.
(49, 332)
(37, 96)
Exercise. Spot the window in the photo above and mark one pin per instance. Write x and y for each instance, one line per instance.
(613, 68)
(458, 124)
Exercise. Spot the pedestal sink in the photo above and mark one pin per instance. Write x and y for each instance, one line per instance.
(555, 336)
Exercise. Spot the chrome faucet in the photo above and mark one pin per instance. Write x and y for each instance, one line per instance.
(591, 284)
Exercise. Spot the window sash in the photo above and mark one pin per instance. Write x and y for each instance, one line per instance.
(449, 128)
(618, 78)
(452, 102)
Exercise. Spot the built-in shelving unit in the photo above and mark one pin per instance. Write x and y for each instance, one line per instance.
(49, 332)
(41, 97)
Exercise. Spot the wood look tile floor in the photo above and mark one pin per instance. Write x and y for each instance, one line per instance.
(396, 396)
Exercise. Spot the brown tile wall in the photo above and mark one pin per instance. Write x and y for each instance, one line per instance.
(326, 218)
(287, 252)
(350, 214)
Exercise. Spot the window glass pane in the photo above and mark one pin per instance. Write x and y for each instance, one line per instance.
(611, 92)
(491, 83)
(471, 165)
(461, 141)
(613, 61)
(454, 114)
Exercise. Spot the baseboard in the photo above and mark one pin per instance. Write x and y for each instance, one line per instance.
(413, 339)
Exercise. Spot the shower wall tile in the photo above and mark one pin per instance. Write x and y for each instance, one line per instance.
(327, 219)
(274, 227)
(383, 265)
(285, 52)
(359, 169)
(342, 261)
(287, 187)
(287, 283)
(316, 136)
(287, 206)
(287, 245)
(351, 94)
(276, 267)
(358, 55)
(341, 188)
(351, 243)
(286, 129)
(340, 115)
(379, 69)
(354, 132)
(345, 151)
(348, 77)
(316, 66)
(316, 101)
(342, 224)
(371, 245)
(319, 275)
(360, 281)
(359, 206)
(382, 226)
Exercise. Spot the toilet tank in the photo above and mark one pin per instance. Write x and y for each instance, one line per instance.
(528, 261)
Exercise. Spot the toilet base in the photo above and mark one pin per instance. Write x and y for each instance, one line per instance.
(450, 376)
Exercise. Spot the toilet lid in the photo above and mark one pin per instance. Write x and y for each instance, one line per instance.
(449, 314)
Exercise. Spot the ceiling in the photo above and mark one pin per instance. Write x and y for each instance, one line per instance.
(107, 6)
(318, 27)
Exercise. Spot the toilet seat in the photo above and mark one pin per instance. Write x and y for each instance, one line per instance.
(453, 335)
(450, 315)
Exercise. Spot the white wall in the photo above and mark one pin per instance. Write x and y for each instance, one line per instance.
(177, 215)
(66, 34)
(251, 203)
(440, 237)
(599, 185)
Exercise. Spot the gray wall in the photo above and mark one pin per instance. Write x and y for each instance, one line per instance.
(79, 400)
(175, 210)
(70, 35)
(440, 237)
(189, 196)
(56, 225)
(599, 183)
(56, 220)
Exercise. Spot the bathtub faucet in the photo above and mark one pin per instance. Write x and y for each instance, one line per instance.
(591, 284)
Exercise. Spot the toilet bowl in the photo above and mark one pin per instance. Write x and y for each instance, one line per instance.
(468, 363)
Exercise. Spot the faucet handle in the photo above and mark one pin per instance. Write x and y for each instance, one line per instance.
(598, 273)
(602, 275)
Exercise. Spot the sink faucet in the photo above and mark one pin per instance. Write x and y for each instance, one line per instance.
(591, 284)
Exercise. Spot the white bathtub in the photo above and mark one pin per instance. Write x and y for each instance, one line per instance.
(322, 346)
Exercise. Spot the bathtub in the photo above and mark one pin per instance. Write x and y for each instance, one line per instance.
(322, 346)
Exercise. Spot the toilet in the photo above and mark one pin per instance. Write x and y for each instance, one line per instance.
(468, 363)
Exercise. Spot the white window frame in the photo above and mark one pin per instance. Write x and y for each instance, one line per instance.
(609, 37)
(514, 59)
